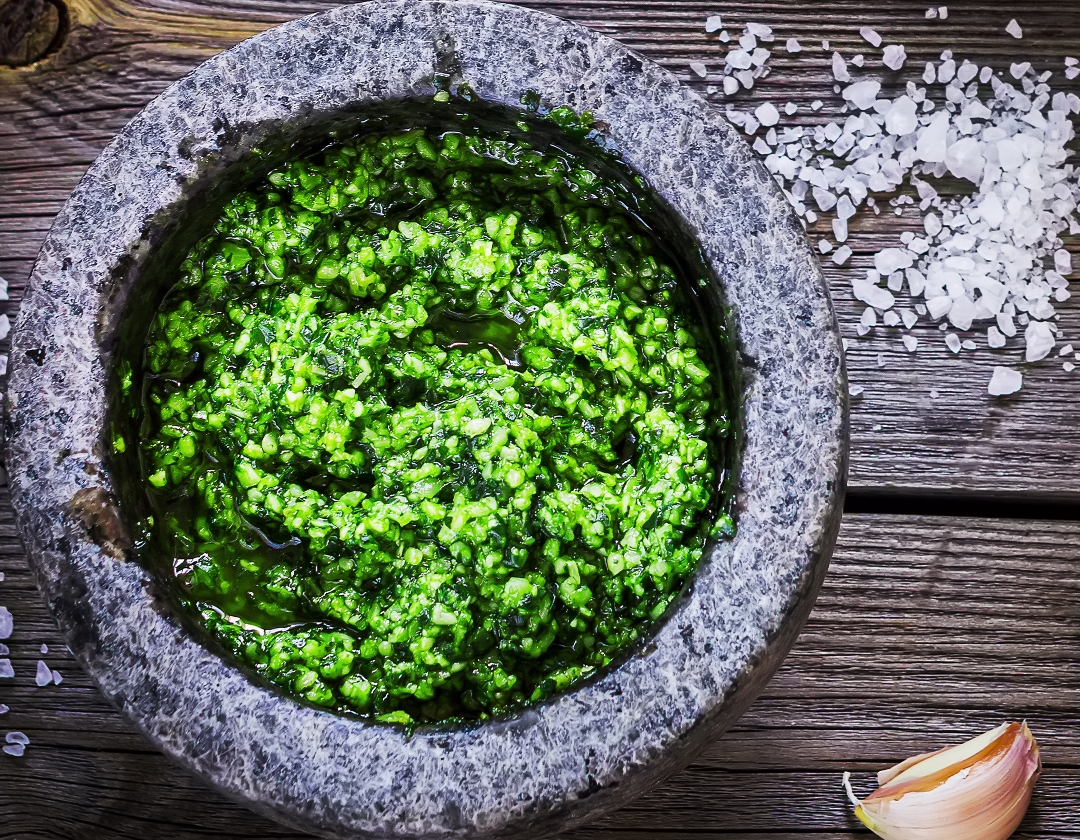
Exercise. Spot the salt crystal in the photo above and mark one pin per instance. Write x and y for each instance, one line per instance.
(1017, 71)
(894, 56)
(5, 327)
(1039, 338)
(842, 255)
(869, 318)
(943, 12)
(6, 671)
(839, 68)
(872, 295)
(761, 147)
(952, 341)
(909, 318)
(713, 23)
(731, 85)
(855, 390)
(16, 750)
(759, 56)
(946, 71)
(862, 94)
(931, 14)
(748, 41)
(724, 37)
(962, 312)
(1066, 350)
(938, 306)
(44, 675)
(4, 709)
(968, 344)
(825, 45)
(889, 260)
(891, 318)
(44, 649)
(932, 142)
(817, 105)
(858, 60)
(902, 117)
(1004, 381)
(4, 649)
(6, 623)
(1069, 367)
(17, 738)
(994, 338)
(56, 678)
(699, 68)
(965, 159)
(824, 246)
(929, 74)
(932, 224)
(985, 74)
(1063, 261)
(1071, 62)
(870, 36)
(738, 59)
(746, 78)
(751, 125)
(1014, 29)
(840, 229)
(767, 114)
(911, 343)
(844, 208)
(790, 108)
(793, 46)
(1072, 72)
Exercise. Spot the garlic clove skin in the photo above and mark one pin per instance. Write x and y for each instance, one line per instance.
(979, 790)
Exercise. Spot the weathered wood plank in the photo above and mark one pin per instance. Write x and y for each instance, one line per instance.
(59, 113)
(927, 631)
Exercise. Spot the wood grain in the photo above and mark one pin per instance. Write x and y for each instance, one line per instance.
(59, 113)
(928, 630)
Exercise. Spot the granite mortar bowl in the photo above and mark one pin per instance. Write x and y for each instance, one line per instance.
(105, 266)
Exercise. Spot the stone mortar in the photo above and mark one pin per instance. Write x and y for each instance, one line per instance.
(551, 766)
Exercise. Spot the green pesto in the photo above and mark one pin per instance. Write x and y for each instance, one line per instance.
(429, 428)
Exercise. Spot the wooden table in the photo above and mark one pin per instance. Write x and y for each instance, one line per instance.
(953, 601)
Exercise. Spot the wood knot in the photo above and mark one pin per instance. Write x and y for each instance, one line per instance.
(30, 30)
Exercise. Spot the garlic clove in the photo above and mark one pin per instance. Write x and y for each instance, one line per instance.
(978, 790)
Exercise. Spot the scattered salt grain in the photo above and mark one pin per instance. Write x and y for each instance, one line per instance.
(881, 360)
(738, 59)
(909, 318)
(911, 343)
(713, 23)
(767, 114)
(4, 649)
(790, 109)
(1069, 367)
(17, 738)
(44, 675)
(817, 105)
(994, 338)
(943, 12)
(1004, 381)
(6, 671)
(44, 649)
(1014, 29)
(5, 326)
(1072, 72)
(4, 709)
(968, 344)
(870, 36)
(1040, 340)
(855, 390)
(6, 623)
(952, 341)
(824, 246)
(699, 68)
(825, 45)
(842, 255)
(931, 14)
(894, 56)
(839, 68)
(793, 45)
(731, 85)
(15, 750)
(56, 678)
(862, 94)
(1066, 350)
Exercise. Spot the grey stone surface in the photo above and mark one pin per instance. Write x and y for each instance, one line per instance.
(548, 767)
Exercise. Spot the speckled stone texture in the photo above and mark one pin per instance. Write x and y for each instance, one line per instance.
(551, 766)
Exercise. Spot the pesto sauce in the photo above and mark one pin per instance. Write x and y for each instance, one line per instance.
(429, 429)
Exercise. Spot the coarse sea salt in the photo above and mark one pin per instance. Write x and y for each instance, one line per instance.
(1004, 381)
(982, 256)
(6, 623)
